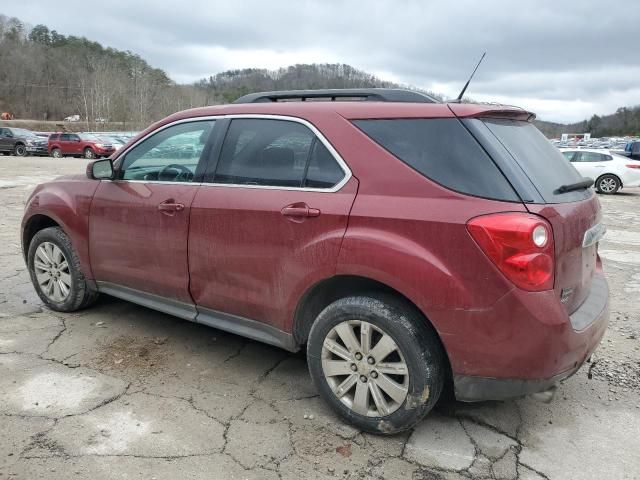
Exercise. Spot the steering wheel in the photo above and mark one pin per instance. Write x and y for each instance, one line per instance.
(182, 173)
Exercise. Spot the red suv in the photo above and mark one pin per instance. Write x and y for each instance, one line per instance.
(79, 145)
(410, 245)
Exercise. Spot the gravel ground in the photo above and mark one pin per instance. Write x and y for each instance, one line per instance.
(120, 391)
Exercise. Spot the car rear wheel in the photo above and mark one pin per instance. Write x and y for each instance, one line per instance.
(608, 184)
(88, 153)
(376, 362)
(55, 272)
(20, 150)
(56, 153)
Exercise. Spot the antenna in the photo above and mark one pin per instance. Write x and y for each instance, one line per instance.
(464, 89)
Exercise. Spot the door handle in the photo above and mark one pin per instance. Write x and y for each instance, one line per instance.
(170, 207)
(300, 210)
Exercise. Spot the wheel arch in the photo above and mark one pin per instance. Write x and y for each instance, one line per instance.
(327, 291)
(33, 225)
(611, 175)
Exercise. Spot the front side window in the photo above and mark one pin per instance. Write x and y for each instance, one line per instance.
(569, 156)
(277, 153)
(171, 155)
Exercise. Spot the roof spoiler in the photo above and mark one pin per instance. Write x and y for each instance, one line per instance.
(336, 94)
(478, 110)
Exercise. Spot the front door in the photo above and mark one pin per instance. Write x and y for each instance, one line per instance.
(139, 222)
(269, 222)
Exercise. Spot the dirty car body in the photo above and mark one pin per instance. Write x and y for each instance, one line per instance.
(340, 224)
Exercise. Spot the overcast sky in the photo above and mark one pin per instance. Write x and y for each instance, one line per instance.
(564, 60)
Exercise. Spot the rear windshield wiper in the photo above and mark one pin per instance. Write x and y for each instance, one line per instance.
(584, 183)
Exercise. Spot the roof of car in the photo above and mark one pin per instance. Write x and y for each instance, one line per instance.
(358, 109)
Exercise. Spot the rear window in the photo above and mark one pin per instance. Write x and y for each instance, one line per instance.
(444, 151)
(542, 163)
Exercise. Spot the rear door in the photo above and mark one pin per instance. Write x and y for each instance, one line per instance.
(269, 221)
(139, 222)
(591, 164)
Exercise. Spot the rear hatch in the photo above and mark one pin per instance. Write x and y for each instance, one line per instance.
(538, 171)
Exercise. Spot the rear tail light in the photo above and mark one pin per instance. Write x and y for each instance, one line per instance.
(636, 166)
(520, 245)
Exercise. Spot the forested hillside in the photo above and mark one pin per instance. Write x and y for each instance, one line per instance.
(626, 121)
(48, 76)
(45, 75)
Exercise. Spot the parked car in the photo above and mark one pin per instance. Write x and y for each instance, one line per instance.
(21, 142)
(78, 145)
(610, 171)
(632, 150)
(117, 142)
(407, 245)
(72, 118)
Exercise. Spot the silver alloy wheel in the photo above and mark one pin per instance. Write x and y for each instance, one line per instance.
(608, 184)
(88, 153)
(365, 368)
(56, 153)
(21, 150)
(52, 272)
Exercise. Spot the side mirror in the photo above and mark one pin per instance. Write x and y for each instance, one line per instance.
(100, 170)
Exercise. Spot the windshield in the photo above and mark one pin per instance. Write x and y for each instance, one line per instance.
(542, 163)
(89, 137)
(21, 132)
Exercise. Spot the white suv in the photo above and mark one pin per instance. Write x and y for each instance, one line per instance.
(609, 171)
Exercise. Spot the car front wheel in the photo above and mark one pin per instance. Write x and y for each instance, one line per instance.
(56, 153)
(88, 153)
(608, 184)
(376, 362)
(55, 271)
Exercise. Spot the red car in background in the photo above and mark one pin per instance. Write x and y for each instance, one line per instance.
(79, 145)
(408, 245)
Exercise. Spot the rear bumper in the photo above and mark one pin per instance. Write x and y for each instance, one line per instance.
(553, 354)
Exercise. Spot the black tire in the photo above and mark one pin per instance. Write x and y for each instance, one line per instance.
(608, 184)
(417, 341)
(80, 295)
(89, 154)
(20, 150)
(56, 153)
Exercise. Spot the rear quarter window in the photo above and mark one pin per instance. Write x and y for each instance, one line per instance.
(442, 150)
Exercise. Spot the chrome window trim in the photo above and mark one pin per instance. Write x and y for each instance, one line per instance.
(334, 153)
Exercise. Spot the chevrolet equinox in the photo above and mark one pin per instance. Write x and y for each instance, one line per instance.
(409, 245)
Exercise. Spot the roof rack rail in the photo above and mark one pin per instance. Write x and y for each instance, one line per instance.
(365, 94)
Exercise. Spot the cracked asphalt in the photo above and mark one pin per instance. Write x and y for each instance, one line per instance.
(120, 391)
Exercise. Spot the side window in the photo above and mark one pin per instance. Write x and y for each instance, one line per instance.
(65, 137)
(53, 136)
(323, 171)
(569, 156)
(442, 150)
(74, 138)
(2, 134)
(171, 155)
(274, 153)
(592, 157)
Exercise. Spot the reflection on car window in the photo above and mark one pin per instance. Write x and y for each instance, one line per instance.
(170, 155)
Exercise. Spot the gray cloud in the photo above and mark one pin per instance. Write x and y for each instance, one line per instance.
(565, 60)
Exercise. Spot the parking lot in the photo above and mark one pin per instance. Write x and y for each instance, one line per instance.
(121, 391)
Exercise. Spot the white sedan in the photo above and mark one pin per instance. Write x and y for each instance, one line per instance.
(609, 171)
